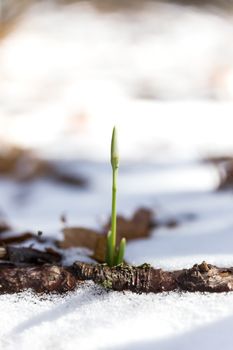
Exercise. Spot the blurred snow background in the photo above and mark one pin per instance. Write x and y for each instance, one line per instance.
(162, 72)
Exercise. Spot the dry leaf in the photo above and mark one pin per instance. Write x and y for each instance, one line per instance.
(29, 255)
(25, 165)
(79, 237)
(138, 227)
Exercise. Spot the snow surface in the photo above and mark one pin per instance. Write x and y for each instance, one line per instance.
(90, 317)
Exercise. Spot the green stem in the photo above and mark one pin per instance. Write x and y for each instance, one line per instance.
(114, 216)
(109, 249)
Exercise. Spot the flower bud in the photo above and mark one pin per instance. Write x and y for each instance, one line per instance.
(114, 150)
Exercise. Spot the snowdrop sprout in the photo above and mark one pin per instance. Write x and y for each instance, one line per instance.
(114, 256)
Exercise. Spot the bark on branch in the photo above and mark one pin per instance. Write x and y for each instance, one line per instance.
(142, 279)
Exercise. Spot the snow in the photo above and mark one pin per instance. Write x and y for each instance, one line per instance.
(78, 84)
(90, 317)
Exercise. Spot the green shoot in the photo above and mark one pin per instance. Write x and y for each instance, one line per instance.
(114, 256)
(121, 252)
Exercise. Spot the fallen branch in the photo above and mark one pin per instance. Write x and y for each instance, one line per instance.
(41, 279)
(141, 279)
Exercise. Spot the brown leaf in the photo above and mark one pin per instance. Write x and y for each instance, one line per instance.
(138, 227)
(25, 165)
(18, 255)
(4, 227)
(224, 165)
(68, 179)
(83, 237)
(218, 159)
(79, 237)
(17, 238)
(100, 249)
(226, 175)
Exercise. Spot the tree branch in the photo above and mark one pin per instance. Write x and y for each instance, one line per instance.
(142, 279)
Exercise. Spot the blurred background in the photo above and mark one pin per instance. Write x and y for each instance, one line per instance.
(162, 71)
